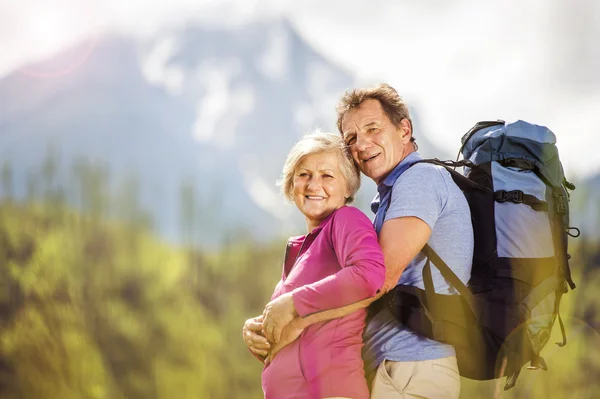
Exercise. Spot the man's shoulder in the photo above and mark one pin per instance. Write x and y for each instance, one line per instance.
(423, 173)
(425, 168)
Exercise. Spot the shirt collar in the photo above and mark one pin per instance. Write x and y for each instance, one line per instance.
(386, 185)
(406, 163)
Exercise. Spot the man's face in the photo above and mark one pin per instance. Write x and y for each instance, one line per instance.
(377, 145)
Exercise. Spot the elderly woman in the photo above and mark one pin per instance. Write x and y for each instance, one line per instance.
(337, 263)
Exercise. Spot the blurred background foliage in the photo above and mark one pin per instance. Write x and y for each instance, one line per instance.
(93, 308)
(97, 307)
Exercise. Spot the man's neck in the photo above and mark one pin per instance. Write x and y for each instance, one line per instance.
(412, 150)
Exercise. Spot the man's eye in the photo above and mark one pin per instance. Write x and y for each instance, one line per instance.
(351, 140)
(372, 129)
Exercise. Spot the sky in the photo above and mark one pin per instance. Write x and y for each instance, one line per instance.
(456, 61)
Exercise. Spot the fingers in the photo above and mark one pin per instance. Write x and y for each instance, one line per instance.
(254, 325)
(268, 331)
(259, 352)
(277, 333)
(255, 342)
(272, 331)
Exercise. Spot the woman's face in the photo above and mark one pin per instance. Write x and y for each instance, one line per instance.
(319, 186)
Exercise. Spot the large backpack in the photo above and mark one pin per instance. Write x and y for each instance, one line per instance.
(517, 192)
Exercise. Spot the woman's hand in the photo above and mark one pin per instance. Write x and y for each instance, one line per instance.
(253, 338)
(277, 314)
(289, 334)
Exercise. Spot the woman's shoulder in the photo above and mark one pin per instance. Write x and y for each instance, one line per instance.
(349, 211)
(350, 216)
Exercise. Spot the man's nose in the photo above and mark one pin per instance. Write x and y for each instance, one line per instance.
(362, 143)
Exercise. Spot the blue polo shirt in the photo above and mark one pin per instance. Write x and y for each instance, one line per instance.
(427, 192)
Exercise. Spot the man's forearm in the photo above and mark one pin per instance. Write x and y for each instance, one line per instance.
(336, 313)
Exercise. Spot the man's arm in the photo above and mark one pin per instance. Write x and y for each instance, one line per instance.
(401, 239)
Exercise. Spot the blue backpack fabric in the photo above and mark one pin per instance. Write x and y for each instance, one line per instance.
(518, 195)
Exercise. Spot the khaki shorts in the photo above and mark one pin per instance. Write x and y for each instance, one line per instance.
(431, 379)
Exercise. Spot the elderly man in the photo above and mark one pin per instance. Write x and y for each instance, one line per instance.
(415, 204)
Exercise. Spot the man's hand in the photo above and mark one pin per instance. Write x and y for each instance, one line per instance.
(277, 314)
(253, 338)
(289, 334)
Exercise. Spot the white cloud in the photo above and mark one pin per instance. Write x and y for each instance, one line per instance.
(223, 105)
(157, 71)
(273, 63)
(458, 61)
(463, 61)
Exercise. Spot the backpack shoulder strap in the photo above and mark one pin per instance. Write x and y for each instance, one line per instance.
(463, 182)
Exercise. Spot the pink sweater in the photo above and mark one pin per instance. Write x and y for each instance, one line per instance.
(337, 264)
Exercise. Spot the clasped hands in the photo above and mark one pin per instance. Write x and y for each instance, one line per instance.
(279, 325)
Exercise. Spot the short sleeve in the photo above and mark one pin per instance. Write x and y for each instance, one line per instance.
(420, 192)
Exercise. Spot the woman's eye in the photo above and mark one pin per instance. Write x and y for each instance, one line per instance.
(328, 176)
(372, 129)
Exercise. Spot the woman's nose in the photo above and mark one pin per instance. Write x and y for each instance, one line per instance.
(313, 183)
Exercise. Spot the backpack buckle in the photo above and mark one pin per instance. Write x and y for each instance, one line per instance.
(515, 196)
(561, 203)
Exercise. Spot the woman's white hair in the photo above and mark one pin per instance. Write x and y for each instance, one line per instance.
(316, 143)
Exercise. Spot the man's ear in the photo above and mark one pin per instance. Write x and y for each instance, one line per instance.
(406, 130)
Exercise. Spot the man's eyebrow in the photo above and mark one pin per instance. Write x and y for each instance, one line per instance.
(367, 125)
(371, 124)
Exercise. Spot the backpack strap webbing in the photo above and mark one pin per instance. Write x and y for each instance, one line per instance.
(448, 274)
(519, 197)
(463, 182)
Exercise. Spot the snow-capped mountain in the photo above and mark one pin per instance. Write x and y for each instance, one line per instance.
(215, 109)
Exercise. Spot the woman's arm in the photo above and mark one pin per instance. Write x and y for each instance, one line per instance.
(362, 274)
(410, 231)
(363, 270)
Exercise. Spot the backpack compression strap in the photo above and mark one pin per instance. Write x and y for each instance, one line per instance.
(447, 273)
(513, 369)
(518, 197)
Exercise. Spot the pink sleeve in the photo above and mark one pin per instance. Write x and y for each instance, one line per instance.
(363, 271)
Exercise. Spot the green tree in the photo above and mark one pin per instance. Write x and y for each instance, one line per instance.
(6, 176)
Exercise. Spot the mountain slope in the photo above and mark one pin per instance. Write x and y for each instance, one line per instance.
(216, 110)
